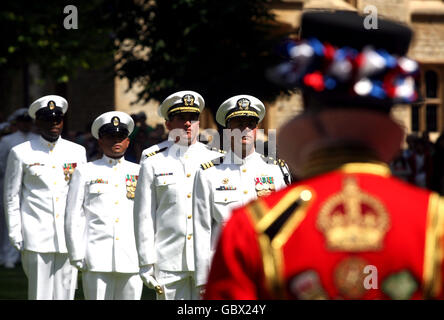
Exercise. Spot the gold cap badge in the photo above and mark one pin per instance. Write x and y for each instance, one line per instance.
(243, 104)
(188, 100)
(51, 105)
(115, 121)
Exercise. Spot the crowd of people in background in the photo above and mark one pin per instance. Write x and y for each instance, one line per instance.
(143, 137)
(422, 162)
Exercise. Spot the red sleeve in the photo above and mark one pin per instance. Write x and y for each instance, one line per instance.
(236, 272)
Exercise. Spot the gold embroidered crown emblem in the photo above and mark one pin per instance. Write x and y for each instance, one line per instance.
(188, 100)
(352, 220)
(243, 104)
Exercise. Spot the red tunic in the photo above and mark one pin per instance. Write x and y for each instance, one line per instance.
(353, 233)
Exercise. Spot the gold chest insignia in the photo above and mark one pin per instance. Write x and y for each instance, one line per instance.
(353, 220)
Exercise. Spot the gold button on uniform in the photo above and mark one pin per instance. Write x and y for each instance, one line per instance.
(53, 167)
(244, 170)
(117, 238)
(57, 215)
(57, 199)
(189, 195)
(189, 217)
(188, 175)
(189, 237)
(225, 199)
(245, 191)
(117, 220)
(117, 202)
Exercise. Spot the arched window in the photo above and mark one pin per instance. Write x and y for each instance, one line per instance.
(431, 84)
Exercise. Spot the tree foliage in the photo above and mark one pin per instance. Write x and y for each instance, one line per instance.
(33, 32)
(217, 48)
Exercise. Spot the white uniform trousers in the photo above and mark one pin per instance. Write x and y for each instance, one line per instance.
(177, 285)
(50, 276)
(111, 285)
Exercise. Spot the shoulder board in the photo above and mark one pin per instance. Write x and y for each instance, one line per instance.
(216, 149)
(272, 160)
(212, 163)
(155, 152)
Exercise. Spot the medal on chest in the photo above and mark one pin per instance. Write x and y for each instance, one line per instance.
(264, 185)
(131, 183)
(68, 170)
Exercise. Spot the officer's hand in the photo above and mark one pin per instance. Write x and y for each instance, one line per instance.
(201, 291)
(79, 264)
(18, 245)
(147, 274)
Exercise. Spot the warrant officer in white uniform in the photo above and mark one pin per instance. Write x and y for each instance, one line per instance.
(241, 176)
(99, 215)
(36, 185)
(163, 203)
(9, 256)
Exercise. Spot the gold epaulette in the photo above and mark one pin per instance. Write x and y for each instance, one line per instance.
(218, 150)
(281, 162)
(207, 165)
(155, 152)
(212, 163)
(272, 160)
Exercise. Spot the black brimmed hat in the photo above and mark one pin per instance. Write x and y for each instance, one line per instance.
(112, 122)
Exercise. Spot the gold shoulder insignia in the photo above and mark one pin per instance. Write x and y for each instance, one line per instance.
(218, 150)
(281, 162)
(271, 160)
(150, 154)
(207, 165)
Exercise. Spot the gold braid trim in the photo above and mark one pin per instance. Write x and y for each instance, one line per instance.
(271, 249)
(433, 251)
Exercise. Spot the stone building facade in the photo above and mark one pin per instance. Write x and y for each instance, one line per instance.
(425, 17)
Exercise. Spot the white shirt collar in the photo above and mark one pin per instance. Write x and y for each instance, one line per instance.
(48, 145)
(111, 161)
(232, 158)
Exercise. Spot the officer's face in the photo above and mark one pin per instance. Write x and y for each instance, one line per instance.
(50, 127)
(184, 127)
(248, 128)
(114, 145)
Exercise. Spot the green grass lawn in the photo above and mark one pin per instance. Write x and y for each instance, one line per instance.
(13, 286)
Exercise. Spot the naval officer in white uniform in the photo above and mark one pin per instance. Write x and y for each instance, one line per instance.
(36, 185)
(20, 118)
(163, 203)
(239, 177)
(99, 215)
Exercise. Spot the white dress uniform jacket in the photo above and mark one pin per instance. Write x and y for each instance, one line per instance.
(221, 188)
(7, 252)
(99, 216)
(163, 206)
(36, 185)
